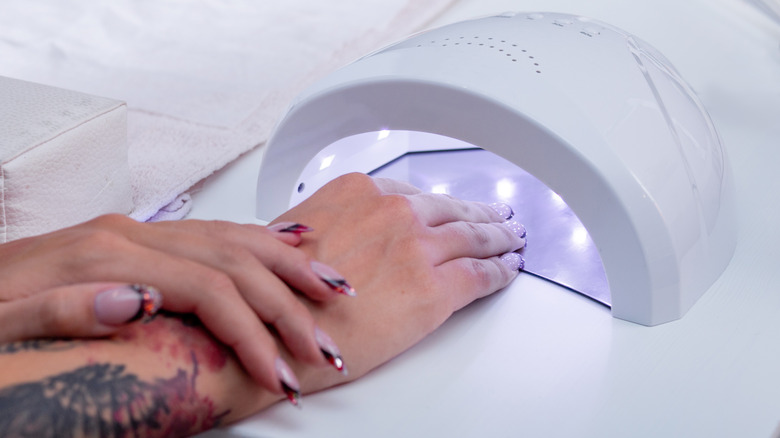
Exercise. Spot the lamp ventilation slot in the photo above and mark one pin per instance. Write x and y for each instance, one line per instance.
(510, 51)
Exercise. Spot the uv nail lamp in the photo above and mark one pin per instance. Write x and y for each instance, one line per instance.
(605, 153)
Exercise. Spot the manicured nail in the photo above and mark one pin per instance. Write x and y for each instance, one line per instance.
(335, 280)
(290, 227)
(127, 304)
(504, 210)
(290, 385)
(330, 350)
(517, 228)
(513, 261)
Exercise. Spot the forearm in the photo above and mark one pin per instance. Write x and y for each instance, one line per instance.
(165, 378)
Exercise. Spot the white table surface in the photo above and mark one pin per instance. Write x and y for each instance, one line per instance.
(538, 360)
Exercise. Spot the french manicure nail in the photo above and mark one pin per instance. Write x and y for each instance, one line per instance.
(513, 261)
(127, 304)
(290, 227)
(290, 385)
(504, 210)
(330, 350)
(335, 280)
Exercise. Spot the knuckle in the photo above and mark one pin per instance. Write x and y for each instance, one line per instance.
(90, 250)
(479, 235)
(481, 272)
(399, 206)
(54, 319)
(232, 256)
(215, 282)
(355, 182)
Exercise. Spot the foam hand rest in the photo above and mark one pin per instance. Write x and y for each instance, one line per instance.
(63, 158)
(593, 112)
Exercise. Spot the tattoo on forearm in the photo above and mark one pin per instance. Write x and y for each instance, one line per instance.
(104, 400)
(37, 345)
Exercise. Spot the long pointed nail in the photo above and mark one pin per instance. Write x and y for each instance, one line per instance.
(513, 261)
(518, 229)
(290, 385)
(335, 280)
(290, 227)
(330, 350)
(504, 210)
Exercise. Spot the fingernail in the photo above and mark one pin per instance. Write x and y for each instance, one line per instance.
(290, 385)
(335, 280)
(330, 350)
(127, 304)
(502, 209)
(517, 228)
(513, 261)
(290, 227)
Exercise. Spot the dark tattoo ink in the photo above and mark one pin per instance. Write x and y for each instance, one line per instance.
(37, 345)
(104, 400)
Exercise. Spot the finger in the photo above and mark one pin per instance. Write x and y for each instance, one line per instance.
(259, 288)
(437, 209)
(391, 186)
(477, 240)
(77, 311)
(468, 279)
(292, 266)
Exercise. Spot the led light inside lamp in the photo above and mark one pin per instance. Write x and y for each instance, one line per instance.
(595, 113)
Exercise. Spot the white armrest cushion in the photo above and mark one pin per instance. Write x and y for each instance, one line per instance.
(63, 158)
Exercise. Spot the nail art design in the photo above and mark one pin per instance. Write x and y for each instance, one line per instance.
(332, 278)
(290, 227)
(151, 302)
(513, 261)
(330, 350)
(502, 209)
(517, 228)
(290, 385)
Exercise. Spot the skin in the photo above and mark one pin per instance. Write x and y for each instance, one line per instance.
(233, 277)
(413, 258)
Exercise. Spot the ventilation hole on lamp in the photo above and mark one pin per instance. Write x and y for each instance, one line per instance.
(491, 43)
(301, 186)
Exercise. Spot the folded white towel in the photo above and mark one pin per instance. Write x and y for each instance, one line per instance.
(204, 81)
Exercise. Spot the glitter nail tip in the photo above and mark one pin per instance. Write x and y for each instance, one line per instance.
(289, 382)
(290, 227)
(504, 210)
(336, 361)
(333, 279)
(517, 228)
(513, 261)
(293, 396)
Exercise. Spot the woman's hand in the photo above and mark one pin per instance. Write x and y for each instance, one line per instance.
(83, 282)
(414, 259)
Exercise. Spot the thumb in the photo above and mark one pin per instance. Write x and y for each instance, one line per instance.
(82, 310)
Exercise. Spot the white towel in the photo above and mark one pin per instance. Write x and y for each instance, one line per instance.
(205, 81)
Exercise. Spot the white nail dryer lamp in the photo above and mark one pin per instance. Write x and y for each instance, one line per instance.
(598, 116)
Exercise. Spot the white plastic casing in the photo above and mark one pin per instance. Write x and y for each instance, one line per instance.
(593, 112)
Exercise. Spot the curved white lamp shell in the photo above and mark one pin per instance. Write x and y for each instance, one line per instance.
(593, 112)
